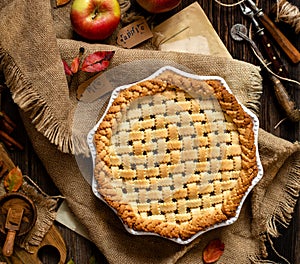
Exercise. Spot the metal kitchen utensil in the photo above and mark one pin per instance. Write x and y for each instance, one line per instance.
(17, 217)
(268, 47)
(280, 92)
(287, 47)
(238, 28)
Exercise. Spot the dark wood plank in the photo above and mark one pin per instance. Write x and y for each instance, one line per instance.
(79, 248)
(287, 245)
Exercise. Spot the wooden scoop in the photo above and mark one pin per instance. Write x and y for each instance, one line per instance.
(15, 207)
(12, 225)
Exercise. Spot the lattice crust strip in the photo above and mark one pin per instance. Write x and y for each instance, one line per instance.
(175, 155)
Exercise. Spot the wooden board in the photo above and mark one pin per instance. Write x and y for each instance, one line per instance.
(53, 238)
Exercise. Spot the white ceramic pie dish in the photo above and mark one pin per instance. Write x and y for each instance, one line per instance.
(114, 95)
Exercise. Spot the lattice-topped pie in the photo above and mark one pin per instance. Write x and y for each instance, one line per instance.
(175, 155)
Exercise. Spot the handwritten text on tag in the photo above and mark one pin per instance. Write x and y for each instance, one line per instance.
(134, 34)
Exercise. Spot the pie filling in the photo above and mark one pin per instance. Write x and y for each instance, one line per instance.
(175, 155)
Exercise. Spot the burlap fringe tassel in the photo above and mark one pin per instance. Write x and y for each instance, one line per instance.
(283, 213)
(29, 101)
(253, 102)
(46, 211)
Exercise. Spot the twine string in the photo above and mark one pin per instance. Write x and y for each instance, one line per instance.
(232, 4)
(229, 5)
(40, 190)
(289, 14)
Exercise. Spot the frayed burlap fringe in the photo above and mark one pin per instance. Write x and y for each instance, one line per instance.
(42, 117)
(283, 213)
(258, 260)
(46, 211)
(253, 100)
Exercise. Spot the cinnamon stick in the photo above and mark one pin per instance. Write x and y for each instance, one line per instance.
(10, 141)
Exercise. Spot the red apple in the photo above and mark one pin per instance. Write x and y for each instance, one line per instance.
(158, 6)
(95, 19)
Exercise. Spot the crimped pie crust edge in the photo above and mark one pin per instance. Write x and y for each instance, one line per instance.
(245, 127)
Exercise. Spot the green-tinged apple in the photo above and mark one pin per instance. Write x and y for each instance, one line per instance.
(158, 6)
(95, 19)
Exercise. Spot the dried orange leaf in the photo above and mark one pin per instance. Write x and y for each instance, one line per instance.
(98, 61)
(62, 2)
(75, 65)
(13, 180)
(213, 251)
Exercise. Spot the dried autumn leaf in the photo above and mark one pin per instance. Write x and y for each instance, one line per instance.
(75, 65)
(98, 61)
(92, 260)
(71, 261)
(13, 180)
(67, 68)
(213, 251)
(62, 2)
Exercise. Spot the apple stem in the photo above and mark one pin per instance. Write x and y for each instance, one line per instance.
(95, 13)
(81, 51)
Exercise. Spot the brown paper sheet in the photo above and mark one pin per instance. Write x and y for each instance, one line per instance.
(193, 33)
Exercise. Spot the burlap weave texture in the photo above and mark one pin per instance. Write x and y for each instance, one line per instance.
(30, 59)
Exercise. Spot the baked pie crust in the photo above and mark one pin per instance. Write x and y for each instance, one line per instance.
(175, 155)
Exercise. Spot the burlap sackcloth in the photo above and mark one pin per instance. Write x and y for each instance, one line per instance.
(34, 39)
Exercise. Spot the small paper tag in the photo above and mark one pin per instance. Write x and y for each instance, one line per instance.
(134, 34)
(95, 89)
(83, 86)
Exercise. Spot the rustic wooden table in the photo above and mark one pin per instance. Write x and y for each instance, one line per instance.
(80, 249)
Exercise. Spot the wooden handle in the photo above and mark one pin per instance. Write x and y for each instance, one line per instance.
(276, 63)
(8, 247)
(281, 39)
(285, 101)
